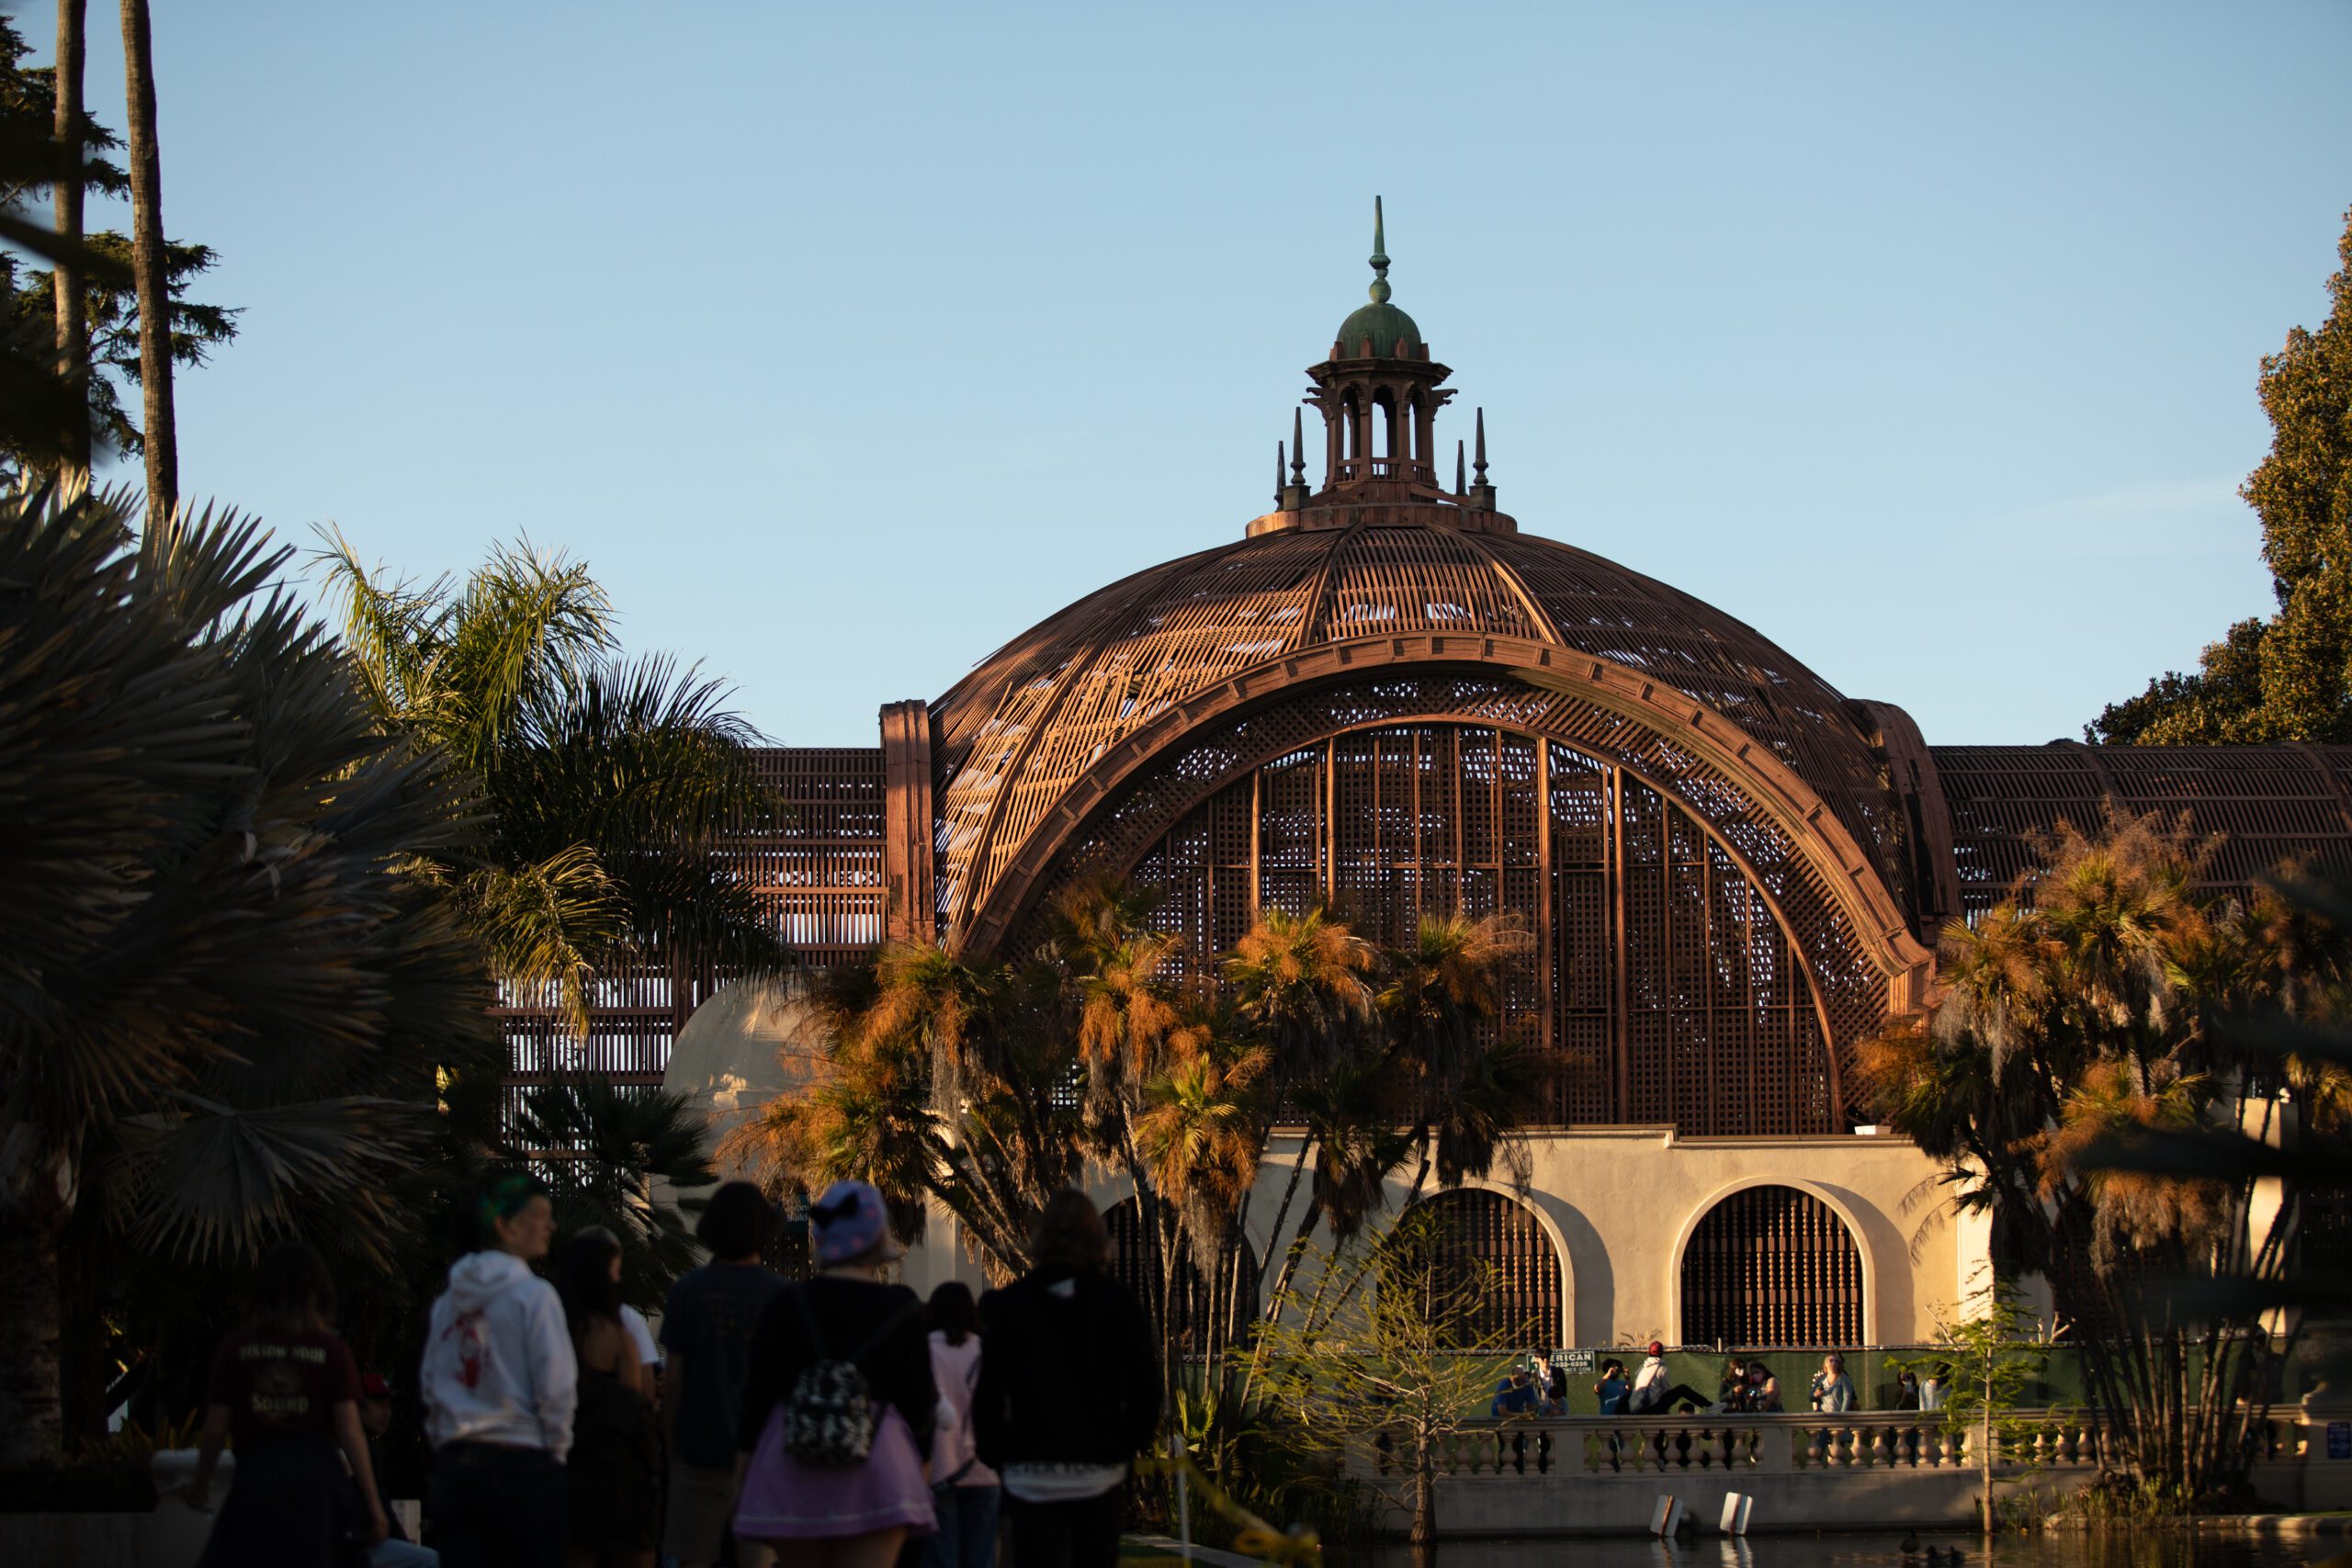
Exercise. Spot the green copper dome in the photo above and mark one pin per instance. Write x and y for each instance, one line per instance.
(1391, 333)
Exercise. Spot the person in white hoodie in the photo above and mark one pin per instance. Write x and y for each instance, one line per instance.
(500, 1384)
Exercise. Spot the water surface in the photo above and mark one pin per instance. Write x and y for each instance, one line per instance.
(2112, 1549)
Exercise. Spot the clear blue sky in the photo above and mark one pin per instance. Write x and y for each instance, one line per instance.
(845, 341)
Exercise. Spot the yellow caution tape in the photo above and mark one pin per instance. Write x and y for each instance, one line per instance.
(1256, 1536)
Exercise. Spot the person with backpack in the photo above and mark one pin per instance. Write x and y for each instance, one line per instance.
(1653, 1395)
(500, 1385)
(964, 1492)
(838, 1403)
(286, 1391)
(1068, 1393)
(706, 1327)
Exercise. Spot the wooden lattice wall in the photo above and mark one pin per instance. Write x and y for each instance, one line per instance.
(1131, 1256)
(1772, 1266)
(817, 863)
(1494, 1251)
(1660, 981)
(2273, 803)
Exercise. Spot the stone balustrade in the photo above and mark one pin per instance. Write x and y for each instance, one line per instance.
(1863, 1469)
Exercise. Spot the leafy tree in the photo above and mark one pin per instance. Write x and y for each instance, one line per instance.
(2289, 676)
(97, 346)
(605, 1152)
(608, 779)
(1385, 1349)
(222, 1014)
(2083, 1013)
(1989, 1360)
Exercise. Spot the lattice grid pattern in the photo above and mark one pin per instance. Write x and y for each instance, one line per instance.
(1772, 1266)
(2274, 803)
(816, 862)
(1131, 1266)
(1713, 1027)
(1495, 1251)
(1015, 735)
(1748, 969)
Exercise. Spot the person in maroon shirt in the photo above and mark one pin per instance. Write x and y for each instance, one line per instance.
(285, 1391)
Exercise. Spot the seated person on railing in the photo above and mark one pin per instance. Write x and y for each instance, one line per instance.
(1763, 1389)
(1652, 1395)
(1515, 1396)
(1555, 1391)
(1833, 1390)
(1907, 1390)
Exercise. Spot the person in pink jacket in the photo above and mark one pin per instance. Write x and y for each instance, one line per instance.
(964, 1492)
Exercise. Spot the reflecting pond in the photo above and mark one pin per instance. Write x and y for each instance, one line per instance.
(2112, 1549)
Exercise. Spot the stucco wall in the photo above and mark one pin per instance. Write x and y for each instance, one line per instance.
(1619, 1202)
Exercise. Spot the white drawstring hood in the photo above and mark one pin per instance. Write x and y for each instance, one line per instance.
(498, 1362)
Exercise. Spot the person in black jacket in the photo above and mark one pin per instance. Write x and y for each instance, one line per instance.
(1068, 1393)
(845, 1516)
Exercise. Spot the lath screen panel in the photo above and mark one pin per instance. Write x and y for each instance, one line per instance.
(1772, 1266)
(1659, 983)
(1494, 1258)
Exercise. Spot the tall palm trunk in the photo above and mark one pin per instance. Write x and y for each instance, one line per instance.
(73, 303)
(31, 1220)
(147, 264)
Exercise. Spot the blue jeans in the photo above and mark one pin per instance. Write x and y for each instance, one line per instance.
(498, 1507)
(967, 1536)
(404, 1554)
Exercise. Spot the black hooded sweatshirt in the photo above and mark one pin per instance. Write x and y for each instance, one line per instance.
(1070, 1374)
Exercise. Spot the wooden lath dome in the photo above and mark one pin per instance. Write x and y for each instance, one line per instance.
(1014, 737)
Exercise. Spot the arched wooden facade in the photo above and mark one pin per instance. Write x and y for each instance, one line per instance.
(1492, 1249)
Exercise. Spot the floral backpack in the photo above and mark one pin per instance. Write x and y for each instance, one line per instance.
(829, 1413)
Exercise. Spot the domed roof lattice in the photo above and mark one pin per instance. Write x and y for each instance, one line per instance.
(1014, 735)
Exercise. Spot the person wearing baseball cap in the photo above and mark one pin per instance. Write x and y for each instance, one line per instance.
(847, 1511)
(1653, 1397)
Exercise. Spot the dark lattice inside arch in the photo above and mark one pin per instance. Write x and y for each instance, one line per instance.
(1661, 985)
(1772, 1266)
(1179, 1307)
(1493, 1254)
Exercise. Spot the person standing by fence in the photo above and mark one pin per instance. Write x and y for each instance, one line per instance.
(500, 1385)
(286, 1390)
(706, 1327)
(964, 1492)
(1068, 1393)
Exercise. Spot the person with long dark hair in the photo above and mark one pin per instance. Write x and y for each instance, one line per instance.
(286, 1391)
(612, 1477)
(706, 1327)
(964, 1492)
(1068, 1393)
(500, 1383)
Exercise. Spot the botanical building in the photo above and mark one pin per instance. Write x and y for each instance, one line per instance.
(1387, 694)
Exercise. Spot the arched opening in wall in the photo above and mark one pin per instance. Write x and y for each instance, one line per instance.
(1772, 1266)
(1493, 1252)
(1142, 1268)
(1662, 985)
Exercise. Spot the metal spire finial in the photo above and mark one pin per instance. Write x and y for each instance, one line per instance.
(1459, 488)
(1278, 473)
(1298, 449)
(1481, 464)
(1380, 290)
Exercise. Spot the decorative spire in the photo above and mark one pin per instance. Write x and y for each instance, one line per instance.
(1380, 290)
(1481, 464)
(1278, 474)
(1459, 487)
(1297, 448)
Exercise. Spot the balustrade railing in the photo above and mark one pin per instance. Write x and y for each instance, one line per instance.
(1796, 1443)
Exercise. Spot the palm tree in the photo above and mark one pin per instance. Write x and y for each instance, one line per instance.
(608, 779)
(605, 1151)
(222, 1014)
(150, 264)
(1443, 996)
(71, 307)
